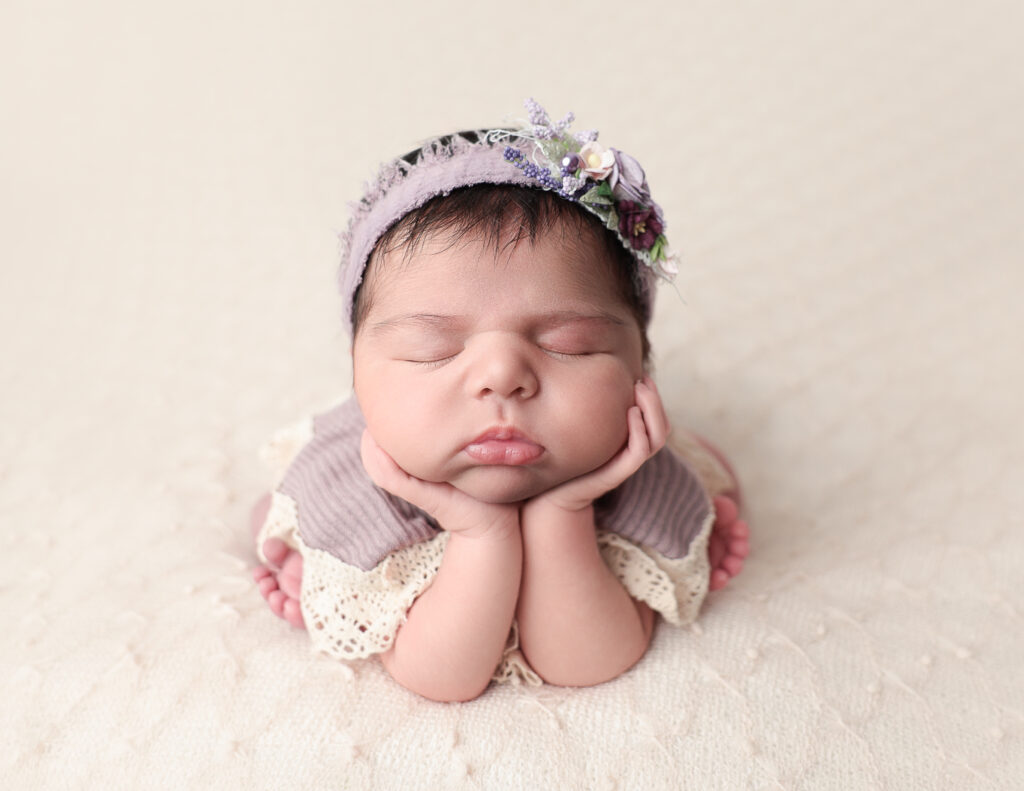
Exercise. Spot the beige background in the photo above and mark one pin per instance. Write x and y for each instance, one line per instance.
(844, 182)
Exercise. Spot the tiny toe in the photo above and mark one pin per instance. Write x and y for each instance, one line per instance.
(275, 550)
(725, 510)
(293, 613)
(719, 579)
(276, 600)
(739, 547)
(716, 551)
(260, 572)
(740, 529)
(267, 585)
(732, 564)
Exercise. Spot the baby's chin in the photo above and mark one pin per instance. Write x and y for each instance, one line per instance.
(502, 485)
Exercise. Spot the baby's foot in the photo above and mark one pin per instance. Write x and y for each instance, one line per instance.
(727, 545)
(280, 581)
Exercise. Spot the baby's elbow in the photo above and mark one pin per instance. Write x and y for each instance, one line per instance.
(589, 668)
(586, 673)
(441, 688)
(445, 690)
(459, 695)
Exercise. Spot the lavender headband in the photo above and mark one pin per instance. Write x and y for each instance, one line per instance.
(605, 182)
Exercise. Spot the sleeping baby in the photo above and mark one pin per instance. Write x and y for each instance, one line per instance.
(497, 500)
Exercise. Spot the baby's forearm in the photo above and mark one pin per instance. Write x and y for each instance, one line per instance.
(577, 625)
(456, 630)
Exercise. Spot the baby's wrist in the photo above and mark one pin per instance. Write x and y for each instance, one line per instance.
(554, 504)
(501, 528)
(545, 517)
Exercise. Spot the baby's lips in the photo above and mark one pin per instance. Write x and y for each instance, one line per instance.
(511, 452)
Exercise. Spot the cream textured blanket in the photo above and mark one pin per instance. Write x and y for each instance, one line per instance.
(844, 182)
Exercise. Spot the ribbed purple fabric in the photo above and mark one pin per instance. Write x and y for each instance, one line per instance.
(341, 511)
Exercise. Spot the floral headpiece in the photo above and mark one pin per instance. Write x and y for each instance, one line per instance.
(603, 181)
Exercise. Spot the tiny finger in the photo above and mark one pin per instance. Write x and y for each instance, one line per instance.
(654, 416)
(661, 403)
(639, 442)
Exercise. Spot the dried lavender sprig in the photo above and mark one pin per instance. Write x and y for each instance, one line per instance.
(538, 115)
(533, 171)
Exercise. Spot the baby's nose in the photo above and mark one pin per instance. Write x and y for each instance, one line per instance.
(501, 366)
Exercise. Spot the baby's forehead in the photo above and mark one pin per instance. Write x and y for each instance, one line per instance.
(504, 227)
(562, 253)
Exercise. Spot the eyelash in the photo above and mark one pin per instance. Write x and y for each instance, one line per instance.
(551, 352)
(432, 363)
(567, 355)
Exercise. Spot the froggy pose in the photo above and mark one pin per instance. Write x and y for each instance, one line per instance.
(497, 500)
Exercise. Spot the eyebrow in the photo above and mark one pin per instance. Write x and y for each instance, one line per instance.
(424, 320)
(450, 323)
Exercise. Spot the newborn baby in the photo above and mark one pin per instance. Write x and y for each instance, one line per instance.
(496, 500)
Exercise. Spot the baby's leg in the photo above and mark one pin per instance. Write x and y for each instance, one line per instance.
(728, 544)
(280, 581)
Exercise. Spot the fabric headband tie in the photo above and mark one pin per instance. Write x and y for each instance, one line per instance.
(540, 154)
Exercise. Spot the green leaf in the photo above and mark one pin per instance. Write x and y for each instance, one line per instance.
(595, 198)
(657, 249)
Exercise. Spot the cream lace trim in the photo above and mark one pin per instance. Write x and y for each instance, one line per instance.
(353, 614)
(673, 587)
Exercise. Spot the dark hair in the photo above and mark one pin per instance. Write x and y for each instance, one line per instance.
(502, 215)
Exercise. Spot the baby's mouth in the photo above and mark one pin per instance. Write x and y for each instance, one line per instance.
(503, 445)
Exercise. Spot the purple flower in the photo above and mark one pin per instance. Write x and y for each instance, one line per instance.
(628, 180)
(638, 224)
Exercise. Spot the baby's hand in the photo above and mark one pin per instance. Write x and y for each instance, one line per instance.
(454, 510)
(648, 430)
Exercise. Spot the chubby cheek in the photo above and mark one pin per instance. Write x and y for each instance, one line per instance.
(396, 422)
(399, 431)
(596, 418)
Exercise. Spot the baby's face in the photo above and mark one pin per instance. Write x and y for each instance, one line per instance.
(502, 377)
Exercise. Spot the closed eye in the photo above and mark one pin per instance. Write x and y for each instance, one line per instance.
(435, 363)
(569, 354)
